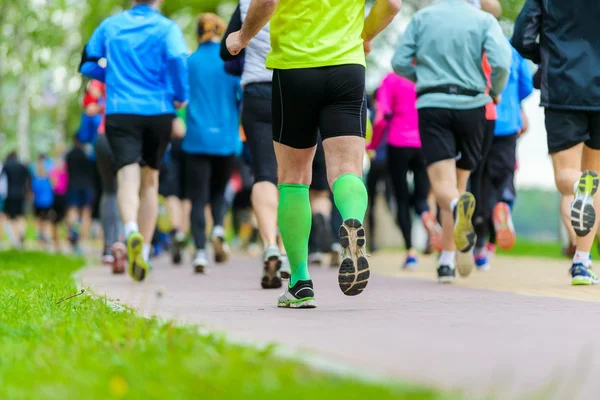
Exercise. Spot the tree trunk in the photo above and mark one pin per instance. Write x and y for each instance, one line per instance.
(23, 119)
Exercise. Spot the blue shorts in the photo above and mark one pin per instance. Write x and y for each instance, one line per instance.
(80, 197)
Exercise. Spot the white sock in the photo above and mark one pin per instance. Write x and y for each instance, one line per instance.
(218, 231)
(447, 258)
(575, 186)
(453, 204)
(582, 257)
(146, 251)
(131, 227)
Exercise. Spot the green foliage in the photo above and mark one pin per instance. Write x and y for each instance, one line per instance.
(511, 8)
(55, 347)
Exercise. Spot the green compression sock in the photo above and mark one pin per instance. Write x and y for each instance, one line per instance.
(350, 196)
(295, 220)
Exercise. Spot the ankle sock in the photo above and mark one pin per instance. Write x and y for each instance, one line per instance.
(131, 227)
(146, 251)
(447, 258)
(582, 257)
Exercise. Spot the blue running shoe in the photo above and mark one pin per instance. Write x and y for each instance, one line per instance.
(481, 262)
(410, 263)
(582, 275)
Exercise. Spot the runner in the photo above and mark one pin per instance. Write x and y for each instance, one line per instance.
(3, 193)
(448, 40)
(80, 194)
(173, 187)
(60, 186)
(212, 140)
(397, 117)
(499, 167)
(18, 182)
(321, 238)
(43, 199)
(318, 58)
(257, 120)
(146, 80)
(571, 96)
(113, 250)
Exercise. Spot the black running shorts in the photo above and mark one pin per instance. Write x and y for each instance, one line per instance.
(452, 134)
(138, 138)
(568, 128)
(329, 100)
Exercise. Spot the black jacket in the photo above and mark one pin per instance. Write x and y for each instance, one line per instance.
(568, 50)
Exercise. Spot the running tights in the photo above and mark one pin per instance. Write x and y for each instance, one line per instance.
(400, 161)
(207, 178)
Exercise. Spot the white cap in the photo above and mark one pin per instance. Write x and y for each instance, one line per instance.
(475, 3)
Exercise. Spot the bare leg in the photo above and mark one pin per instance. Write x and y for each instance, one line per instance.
(175, 211)
(148, 210)
(129, 180)
(265, 199)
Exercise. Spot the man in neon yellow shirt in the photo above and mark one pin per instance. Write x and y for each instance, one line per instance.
(318, 61)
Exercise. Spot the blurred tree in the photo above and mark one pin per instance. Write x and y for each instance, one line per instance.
(41, 43)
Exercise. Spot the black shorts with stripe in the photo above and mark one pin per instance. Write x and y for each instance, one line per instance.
(330, 101)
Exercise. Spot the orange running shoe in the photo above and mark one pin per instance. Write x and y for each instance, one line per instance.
(434, 230)
(503, 225)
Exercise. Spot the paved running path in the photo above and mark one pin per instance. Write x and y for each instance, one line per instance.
(406, 326)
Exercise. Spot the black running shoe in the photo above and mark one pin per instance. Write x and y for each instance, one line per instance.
(301, 295)
(446, 274)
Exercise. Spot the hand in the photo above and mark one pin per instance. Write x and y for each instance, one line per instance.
(178, 128)
(179, 106)
(497, 99)
(368, 46)
(235, 44)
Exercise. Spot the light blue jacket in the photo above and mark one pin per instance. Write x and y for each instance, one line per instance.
(447, 40)
(213, 113)
(146, 58)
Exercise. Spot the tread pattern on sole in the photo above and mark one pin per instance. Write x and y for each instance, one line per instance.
(270, 280)
(583, 214)
(464, 233)
(354, 273)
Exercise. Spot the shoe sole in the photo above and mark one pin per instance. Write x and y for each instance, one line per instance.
(353, 275)
(505, 233)
(464, 233)
(285, 275)
(464, 264)
(137, 267)
(221, 255)
(200, 269)
(307, 302)
(177, 256)
(271, 280)
(446, 279)
(583, 281)
(583, 213)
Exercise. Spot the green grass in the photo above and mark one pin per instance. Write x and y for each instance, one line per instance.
(524, 248)
(82, 348)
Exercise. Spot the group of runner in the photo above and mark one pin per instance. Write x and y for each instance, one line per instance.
(450, 113)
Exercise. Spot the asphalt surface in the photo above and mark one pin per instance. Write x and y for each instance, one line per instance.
(479, 342)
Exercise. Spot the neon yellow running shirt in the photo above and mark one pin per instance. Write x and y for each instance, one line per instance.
(317, 33)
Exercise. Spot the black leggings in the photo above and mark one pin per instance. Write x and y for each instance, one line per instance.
(498, 173)
(476, 183)
(400, 161)
(109, 207)
(377, 173)
(207, 178)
